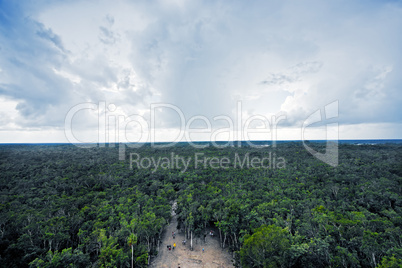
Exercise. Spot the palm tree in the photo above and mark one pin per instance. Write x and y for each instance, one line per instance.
(132, 239)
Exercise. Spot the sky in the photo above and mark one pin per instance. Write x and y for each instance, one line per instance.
(129, 71)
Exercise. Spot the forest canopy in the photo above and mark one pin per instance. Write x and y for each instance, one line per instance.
(62, 205)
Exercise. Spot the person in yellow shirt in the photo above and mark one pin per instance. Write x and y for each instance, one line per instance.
(174, 245)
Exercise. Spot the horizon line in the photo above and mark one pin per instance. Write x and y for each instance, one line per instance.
(177, 142)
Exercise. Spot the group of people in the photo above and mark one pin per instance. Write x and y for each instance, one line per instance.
(174, 244)
(169, 247)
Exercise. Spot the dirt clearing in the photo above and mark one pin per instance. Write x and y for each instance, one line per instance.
(213, 255)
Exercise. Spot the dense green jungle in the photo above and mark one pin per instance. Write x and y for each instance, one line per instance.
(272, 206)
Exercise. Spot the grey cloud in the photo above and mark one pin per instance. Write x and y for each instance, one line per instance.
(307, 67)
(33, 63)
(278, 79)
(292, 74)
(48, 34)
(107, 36)
(204, 56)
(28, 76)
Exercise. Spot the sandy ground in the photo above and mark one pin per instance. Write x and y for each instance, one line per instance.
(183, 257)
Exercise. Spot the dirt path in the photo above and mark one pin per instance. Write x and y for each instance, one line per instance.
(183, 257)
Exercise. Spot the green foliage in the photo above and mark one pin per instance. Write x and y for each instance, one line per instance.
(110, 255)
(66, 258)
(390, 262)
(64, 206)
(142, 260)
(132, 240)
(265, 248)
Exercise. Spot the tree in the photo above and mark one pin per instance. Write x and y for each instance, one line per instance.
(110, 254)
(65, 258)
(265, 248)
(132, 239)
(391, 262)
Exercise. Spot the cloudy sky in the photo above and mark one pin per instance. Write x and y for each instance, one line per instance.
(90, 71)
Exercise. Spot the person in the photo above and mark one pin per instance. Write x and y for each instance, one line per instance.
(174, 245)
(202, 250)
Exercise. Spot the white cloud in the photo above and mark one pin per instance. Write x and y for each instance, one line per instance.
(203, 57)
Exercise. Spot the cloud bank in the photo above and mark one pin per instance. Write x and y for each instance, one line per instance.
(275, 57)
